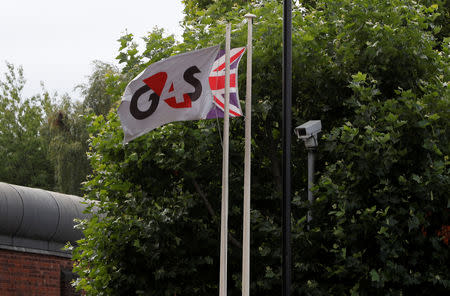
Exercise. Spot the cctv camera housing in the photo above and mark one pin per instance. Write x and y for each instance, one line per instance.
(308, 129)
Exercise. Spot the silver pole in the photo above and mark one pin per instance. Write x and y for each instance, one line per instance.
(308, 132)
(224, 214)
(311, 159)
(247, 165)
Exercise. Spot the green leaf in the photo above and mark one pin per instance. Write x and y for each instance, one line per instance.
(375, 277)
(359, 77)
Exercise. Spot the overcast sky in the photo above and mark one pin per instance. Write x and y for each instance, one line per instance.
(56, 40)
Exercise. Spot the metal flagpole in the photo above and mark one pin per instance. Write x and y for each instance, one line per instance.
(247, 164)
(226, 129)
(286, 135)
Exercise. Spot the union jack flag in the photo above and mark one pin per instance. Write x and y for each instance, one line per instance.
(217, 84)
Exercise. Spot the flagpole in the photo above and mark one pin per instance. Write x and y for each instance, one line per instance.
(226, 129)
(247, 164)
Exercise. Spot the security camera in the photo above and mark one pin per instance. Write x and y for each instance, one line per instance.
(308, 132)
(308, 128)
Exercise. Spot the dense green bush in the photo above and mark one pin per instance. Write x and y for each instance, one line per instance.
(382, 198)
(375, 75)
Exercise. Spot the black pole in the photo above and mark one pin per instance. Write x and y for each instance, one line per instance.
(286, 138)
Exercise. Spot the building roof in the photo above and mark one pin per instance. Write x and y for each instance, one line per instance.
(36, 220)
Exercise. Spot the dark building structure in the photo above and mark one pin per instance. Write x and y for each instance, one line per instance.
(34, 227)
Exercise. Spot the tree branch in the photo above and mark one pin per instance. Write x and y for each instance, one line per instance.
(273, 155)
(211, 211)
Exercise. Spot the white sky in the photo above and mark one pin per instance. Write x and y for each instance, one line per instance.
(56, 40)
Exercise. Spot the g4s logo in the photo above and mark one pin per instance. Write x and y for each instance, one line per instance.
(156, 83)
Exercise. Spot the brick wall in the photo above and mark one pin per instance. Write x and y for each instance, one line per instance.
(31, 274)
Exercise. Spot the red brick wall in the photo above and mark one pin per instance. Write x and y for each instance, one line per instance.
(31, 274)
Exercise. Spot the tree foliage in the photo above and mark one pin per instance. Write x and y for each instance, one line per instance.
(22, 149)
(67, 135)
(97, 100)
(375, 72)
(43, 138)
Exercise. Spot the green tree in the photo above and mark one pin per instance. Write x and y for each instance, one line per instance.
(66, 131)
(22, 149)
(376, 76)
(382, 192)
(43, 138)
(96, 97)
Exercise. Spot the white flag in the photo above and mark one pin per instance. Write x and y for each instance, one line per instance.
(175, 89)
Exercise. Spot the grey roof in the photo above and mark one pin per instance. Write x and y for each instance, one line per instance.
(38, 220)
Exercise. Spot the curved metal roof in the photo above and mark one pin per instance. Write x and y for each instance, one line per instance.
(37, 219)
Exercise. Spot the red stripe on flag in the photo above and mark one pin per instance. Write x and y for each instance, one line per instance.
(221, 105)
(233, 58)
(218, 82)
